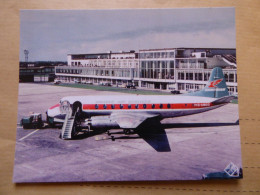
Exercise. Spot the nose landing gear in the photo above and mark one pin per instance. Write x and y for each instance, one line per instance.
(128, 131)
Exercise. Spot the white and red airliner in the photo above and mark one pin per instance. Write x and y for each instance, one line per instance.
(129, 112)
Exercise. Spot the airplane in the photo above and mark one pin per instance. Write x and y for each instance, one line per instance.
(129, 112)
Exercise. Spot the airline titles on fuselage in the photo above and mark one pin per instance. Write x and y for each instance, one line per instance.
(123, 102)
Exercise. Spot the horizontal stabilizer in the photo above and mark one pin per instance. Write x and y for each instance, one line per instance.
(223, 100)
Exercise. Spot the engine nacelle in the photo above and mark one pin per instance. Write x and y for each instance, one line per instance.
(101, 122)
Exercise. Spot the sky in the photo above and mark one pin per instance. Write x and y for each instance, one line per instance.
(50, 35)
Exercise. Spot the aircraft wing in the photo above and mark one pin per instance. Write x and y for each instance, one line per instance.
(130, 120)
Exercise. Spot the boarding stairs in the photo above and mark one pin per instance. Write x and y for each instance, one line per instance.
(67, 126)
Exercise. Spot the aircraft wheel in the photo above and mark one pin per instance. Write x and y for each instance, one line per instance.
(74, 132)
(76, 125)
(127, 131)
(113, 138)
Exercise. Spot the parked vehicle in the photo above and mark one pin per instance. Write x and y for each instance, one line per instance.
(57, 82)
(107, 84)
(121, 85)
(130, 86)
(34, 120)
(89, 83)
(175, 92)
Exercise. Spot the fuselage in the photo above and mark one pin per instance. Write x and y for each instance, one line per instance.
(164, 105)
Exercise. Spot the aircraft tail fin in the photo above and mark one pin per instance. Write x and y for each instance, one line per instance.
(216, 86)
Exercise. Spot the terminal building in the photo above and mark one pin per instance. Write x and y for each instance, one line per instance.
(38, 71)
(182, 69)
(36, 74)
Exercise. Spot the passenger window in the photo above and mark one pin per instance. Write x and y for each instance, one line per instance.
(136, 106)
(96, 106)
(161, 106)
(129, 106)
(113, 106)
(105, 106)
(168, 105)
(153, 106)
(121, 106)
(144, 106)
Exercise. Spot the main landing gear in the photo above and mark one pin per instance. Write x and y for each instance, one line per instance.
(125, 131)
(109, 134)
(129, 131)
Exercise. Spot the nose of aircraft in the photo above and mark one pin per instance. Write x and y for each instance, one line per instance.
(65, 107)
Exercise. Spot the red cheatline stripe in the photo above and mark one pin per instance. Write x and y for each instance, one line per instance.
(144, 106)
(57, 105)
